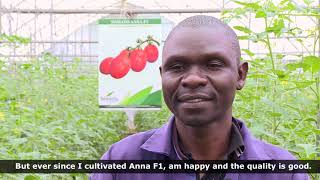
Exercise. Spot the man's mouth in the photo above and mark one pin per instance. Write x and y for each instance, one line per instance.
(194, 98)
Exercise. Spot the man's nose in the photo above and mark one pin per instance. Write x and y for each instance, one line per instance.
(194, 80)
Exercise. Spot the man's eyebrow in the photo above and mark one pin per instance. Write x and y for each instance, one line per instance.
(218, 55)
(175, 59)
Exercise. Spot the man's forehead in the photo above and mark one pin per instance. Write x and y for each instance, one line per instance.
(214, 33)
(212, 27)
(189, 38)
(189, 32)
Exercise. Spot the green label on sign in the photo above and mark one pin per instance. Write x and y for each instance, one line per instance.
(129, 21)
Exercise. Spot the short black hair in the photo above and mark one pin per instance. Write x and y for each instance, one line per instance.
(209, 21)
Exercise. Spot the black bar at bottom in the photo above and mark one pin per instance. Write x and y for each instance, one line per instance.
(158, 166)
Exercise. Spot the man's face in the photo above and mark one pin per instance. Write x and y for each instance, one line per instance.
(200, 74)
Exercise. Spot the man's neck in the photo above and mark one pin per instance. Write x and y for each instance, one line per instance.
(209, 142)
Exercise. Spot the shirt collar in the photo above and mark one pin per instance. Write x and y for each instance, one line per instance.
(161, 142)
(236, 146)
(235, 149)
(175, 141)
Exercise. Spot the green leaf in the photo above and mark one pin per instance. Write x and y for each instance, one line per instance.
(258, 75)
(243, 37)
(313, 62)
(110, 93)
(283, 2)
(243, 29)
(277, 27)
(275, 114)
(291, 7)
(308, 2)
(281, 74)
(309, 149)
(303, 84)
(32, 177)
(153, 99)
(254, 6)
(280, 56)
(4, 94)
(247, 51)
(137, 98)
(292, 66)
(260, 14)
(310, 119)
(26, 66)
(18, 141)
(279, 23)
(259, 37)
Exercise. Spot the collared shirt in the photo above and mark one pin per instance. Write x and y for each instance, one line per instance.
(157, 144)
(234, 151)
(235, 148)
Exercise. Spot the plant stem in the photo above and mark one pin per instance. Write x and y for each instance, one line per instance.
(274, 123)
(315, 44)
(269, 44)
(147, 40)
(155, 42)
(318, 90)
(302, 14)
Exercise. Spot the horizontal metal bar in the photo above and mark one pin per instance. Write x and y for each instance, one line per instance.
(107, 11)
(39, 55)
(96, 42)
(291, 37)
(117, 11)
(48, 42)
(96, 56)
(284, 53)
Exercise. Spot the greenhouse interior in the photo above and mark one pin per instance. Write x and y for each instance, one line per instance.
(57, 102)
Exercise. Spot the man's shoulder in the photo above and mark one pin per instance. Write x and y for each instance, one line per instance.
(129, 148)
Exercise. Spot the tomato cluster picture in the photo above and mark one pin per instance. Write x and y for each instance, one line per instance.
(134, 58)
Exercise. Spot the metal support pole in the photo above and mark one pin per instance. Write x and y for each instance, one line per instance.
(0, 16)
(130, 122)
(51, 25)
(34, 50)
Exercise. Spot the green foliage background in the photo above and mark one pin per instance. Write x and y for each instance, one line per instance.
(49, 110)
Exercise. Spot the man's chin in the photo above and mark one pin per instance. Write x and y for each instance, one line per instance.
(195, 120)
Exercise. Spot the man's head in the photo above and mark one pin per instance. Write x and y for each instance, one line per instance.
(201, 70)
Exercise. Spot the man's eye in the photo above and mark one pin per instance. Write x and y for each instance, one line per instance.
(176, 67)
(214, 65)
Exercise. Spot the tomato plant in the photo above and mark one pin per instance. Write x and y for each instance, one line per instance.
(278, 90)
(49, 109)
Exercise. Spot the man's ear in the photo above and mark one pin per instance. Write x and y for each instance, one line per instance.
(242, 74)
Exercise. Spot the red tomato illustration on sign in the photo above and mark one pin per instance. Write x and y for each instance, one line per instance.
(105, 65)
(138, 60)
(131, 58)
(120, 66)
(152, 52)
(125, 53)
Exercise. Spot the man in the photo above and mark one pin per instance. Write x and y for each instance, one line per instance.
(201, 71)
